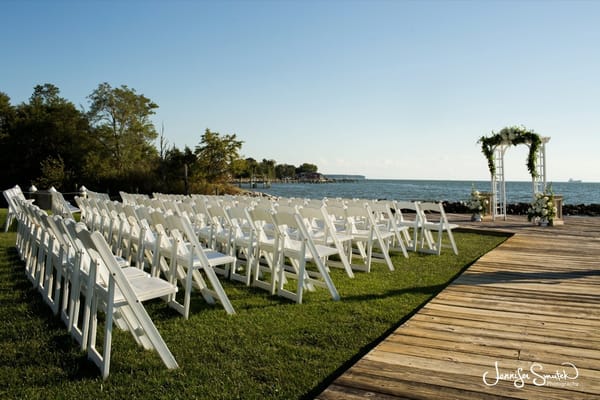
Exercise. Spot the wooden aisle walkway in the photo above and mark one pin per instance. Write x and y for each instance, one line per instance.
(527, 309)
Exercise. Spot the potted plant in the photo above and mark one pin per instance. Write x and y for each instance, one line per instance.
(542, 211)
(477, 204)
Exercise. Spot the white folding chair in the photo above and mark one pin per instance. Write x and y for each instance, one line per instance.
(366, 232)
(385, 217)
(320, 226)
(114, 291)
(265, 273)
(190, 254)
(244, 243)
(433, 220)
(61, 206)
(407, 214)
(298, 247)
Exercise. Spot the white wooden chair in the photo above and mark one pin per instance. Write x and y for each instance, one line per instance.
(434, 220)
(320, 226)
(61, 206)
(266, 263)
(13, 196)
(244, 243)
(298, 247)
(82, 280)
(196, 260)
(410, 218)
(114, 291)
(366, 233)
(385, 217)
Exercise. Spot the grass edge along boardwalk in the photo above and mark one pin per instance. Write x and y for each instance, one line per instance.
(527, 315)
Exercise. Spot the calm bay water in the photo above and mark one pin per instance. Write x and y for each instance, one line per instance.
(573, 192)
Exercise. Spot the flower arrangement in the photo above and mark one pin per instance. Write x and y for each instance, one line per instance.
(542, 209)
(512, 135)
(477, 203)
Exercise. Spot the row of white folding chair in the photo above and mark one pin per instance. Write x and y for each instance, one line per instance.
(160, 244)
(131, 198)
(172, 248)
(349, 227)
(426, 220)
(283, 242)
(399, 224)
(130, 236)
(353, 221)
(252, 235)
(59, 265)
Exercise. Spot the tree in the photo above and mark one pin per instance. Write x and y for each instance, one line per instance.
(285, 171)
(178, 167)
(307, 168)
(267, 168)
(216, 155)
(46, 129)
(7, 117)
(121, 125)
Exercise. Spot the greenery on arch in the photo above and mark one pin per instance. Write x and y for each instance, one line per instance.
(512, 135)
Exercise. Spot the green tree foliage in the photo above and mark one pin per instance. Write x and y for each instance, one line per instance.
(7, 116)
(306, 168)
(121, 126)
(267, 168)
(48, 127)
(216, 155)
(53, 173)
(285, 171)
(177, 167)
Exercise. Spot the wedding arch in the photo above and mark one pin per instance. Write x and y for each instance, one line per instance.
(494, 147)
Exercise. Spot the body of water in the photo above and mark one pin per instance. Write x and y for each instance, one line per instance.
(452, 191)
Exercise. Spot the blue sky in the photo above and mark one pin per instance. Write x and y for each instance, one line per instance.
(386, 89)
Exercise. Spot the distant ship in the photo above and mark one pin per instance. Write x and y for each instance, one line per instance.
(571, 180)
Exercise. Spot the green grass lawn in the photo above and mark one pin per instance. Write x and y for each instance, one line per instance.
(271, 348)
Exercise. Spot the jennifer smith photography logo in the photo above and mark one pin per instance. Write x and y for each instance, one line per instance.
(536, 375)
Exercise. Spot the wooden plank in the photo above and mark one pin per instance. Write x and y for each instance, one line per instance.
(489, 331)
(444, 320)
(579, 299)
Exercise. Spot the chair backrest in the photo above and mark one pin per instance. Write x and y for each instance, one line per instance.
(183, 226)
(263, 221)
(411, 213)
(241, 221)
(433, 213)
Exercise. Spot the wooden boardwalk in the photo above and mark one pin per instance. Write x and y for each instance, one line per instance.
(522, 322)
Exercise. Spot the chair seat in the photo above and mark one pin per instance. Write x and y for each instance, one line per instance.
(436, 226)
(144, 287)
(293, 247)
(215, 258)
(361, 234)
